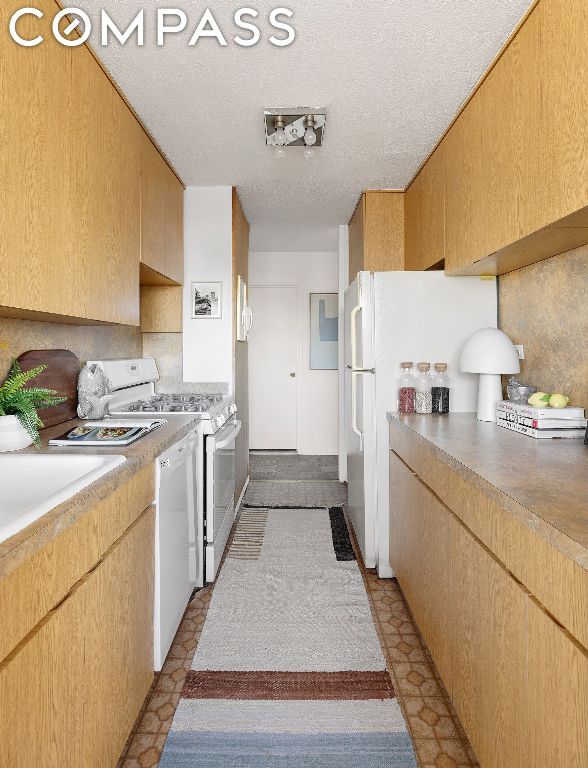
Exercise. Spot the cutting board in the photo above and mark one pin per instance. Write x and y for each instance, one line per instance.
(63, 369)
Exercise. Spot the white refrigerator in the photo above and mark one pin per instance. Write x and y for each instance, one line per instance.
(391, 317)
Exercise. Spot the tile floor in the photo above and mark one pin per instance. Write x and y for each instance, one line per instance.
(439, 738)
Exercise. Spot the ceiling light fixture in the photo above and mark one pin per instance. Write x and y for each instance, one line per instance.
(294, 128)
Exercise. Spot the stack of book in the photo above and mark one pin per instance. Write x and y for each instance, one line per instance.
(541, 422)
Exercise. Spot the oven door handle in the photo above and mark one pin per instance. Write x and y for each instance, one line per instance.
(228, 439)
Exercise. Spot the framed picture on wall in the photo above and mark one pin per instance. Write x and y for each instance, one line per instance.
(324, 331)
(241, 309)
(207, 301)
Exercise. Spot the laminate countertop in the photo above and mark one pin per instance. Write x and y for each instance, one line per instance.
(546, 479)
(139, 454)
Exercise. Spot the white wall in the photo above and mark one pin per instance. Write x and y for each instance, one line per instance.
(208, 254)
(317, 393)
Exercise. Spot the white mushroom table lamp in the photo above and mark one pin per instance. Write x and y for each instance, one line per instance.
(489, 352)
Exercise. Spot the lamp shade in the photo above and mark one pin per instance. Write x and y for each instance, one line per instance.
(489, 351)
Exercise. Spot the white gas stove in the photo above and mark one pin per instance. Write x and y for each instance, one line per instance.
(131, 392)
(209, 468)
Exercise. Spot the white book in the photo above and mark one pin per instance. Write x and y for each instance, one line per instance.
(524, 409)
(529, 421)
(540, 433)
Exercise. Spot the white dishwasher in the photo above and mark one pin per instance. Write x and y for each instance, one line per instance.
(175, 503)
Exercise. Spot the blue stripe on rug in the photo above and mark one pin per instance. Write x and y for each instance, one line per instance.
(205, 749)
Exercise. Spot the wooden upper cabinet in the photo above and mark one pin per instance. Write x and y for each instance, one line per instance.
(527, 197)
(376, 233)
(162, 217)
(563, 162)
(174, 228)
(424, 211)
(511, 142)
(105, 196)
(153, 209)
(69, 219)
(465, 221)
(72, 233)
(35, 103)
(356, 240)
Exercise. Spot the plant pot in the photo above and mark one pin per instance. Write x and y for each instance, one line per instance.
(13, 436)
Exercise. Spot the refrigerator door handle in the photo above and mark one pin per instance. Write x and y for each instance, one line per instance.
(354, 312)
(354, 426)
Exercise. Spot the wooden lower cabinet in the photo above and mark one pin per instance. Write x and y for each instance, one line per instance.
(420, 544)
(119, 647)
(556, 694)
(70, 693)
(518, 680)
(488, 649)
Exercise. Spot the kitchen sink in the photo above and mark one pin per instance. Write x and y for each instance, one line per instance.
(33, 484)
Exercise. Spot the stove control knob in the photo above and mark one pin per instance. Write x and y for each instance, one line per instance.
(232, 409)
(215, 423)
(221, 420)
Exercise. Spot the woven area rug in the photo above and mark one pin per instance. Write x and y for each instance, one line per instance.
(289, 670)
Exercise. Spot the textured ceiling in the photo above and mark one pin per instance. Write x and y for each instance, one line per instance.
(391, 74)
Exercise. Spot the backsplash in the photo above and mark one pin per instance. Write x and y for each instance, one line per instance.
(545, 307)
(167, 349)
(88, 342)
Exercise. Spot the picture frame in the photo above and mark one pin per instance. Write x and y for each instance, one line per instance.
(241, 309)
(324, 331)
(207, 300)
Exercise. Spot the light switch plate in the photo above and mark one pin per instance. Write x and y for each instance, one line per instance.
(520, 351)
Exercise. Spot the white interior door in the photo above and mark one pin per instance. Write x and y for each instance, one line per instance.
(273, 362)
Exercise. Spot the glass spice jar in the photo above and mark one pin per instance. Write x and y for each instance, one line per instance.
(423, 398)
(406, 389)
(440, 386)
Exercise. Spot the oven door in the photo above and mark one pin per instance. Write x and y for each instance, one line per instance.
(220, 492)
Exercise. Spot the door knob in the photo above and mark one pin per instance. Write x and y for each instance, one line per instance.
(292, 375)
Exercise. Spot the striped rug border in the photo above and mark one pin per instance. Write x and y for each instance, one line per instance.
(247, 539)
(286, 686)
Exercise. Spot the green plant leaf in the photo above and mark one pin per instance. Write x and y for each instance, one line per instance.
(31, 425)
(24, 402)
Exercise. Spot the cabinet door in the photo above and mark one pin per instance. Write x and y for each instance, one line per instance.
(556, 694)
(465, 218)
(487, 625)
(563, 67)
(119, 631)
(356, 240)
(511, 142)
(35, 104)
(153, 207)
(42, 690)
(383, 231)
(104, 201)
(424, 207)
(174, 228)
(420, 545)
(162, 215)
(70, 695)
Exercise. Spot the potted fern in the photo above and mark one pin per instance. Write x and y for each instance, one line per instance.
(19, 420)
